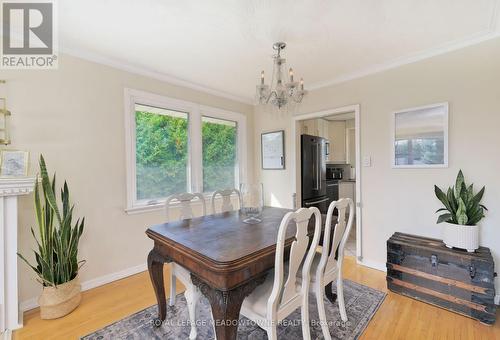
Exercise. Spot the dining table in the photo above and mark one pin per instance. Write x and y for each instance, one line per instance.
(227, 259)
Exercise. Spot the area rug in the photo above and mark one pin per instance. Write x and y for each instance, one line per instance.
(361, 304)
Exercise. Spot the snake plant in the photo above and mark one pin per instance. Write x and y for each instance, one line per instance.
(461, 205)
(58, 237)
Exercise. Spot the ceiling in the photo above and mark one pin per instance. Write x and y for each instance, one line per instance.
(220, 46)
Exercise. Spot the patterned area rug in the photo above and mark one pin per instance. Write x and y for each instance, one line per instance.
(361, 304)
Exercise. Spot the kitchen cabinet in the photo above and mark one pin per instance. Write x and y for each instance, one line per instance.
(347, 189)
(337, 137)
(351, 147)
(315, 127)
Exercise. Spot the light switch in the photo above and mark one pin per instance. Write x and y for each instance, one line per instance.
(367, 161)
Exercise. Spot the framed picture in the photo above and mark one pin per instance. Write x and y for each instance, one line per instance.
(420, 137)
(273, 150)
(14, 163)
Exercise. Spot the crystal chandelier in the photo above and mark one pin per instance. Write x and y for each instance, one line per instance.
(282, 94)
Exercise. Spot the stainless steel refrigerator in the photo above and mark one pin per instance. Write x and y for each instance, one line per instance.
(313, 160)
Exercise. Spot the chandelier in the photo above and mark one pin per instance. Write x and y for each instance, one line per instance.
(283, 93)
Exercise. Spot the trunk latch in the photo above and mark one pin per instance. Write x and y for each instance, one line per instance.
(434, 260)
(472, 271)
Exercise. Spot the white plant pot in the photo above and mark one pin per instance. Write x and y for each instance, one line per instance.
(461, 236)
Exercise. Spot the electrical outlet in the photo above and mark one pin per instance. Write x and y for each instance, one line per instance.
(367, 161)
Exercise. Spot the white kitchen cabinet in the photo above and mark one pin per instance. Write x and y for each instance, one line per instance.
(347, 189)
(323, 128)
(310, 127)
(337, 137)
(315, 127)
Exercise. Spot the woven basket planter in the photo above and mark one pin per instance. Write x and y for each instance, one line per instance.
(56, 302)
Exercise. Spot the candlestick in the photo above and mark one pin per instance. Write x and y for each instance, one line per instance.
(302, 84)
(291, 75)
(262, 77)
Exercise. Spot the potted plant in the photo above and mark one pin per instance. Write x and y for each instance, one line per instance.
(463, 211)
(56, 258)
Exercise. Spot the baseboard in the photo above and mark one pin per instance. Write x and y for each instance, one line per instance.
(373, 264)
(86, 285)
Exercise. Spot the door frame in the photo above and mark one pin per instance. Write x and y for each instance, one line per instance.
(296, 170)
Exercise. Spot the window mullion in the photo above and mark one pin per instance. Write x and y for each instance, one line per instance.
(195, 139)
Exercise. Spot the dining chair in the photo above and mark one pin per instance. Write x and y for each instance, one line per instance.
(192, 293)
(226, 194)
(279, 296)
(326, 268)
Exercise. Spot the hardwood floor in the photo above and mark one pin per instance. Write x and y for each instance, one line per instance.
(398, 317)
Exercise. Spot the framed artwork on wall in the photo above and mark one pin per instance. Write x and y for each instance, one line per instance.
(14, 163)
(420, 137)
(273, 150)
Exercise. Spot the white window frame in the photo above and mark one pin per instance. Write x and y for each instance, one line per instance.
(195, 161)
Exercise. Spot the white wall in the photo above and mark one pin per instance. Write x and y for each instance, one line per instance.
(75, 117)
(403, 200)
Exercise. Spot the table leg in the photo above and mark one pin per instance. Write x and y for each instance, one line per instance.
(155, 268)
(329, 293)
(226, 305)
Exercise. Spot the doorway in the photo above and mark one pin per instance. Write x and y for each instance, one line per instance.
(339, 128)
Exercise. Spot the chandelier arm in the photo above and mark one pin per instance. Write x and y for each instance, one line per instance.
(280, 93)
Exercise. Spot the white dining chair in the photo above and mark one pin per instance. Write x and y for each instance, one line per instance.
(279, 296)
(226, 194)
(192, 293)
(325, 267)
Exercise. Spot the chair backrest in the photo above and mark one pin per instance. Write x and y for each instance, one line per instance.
(341, 231)
(284, 291)
(226, 199)
(185, 200)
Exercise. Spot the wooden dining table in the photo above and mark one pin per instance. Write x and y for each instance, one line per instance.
(227, 259)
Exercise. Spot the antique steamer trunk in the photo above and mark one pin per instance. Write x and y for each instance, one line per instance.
(425, 269)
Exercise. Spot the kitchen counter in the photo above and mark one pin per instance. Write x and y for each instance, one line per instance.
(347, 180)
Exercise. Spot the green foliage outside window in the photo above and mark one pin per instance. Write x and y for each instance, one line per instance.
(162, 154)
(219, 154)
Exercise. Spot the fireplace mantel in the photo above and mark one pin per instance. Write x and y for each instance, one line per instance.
(10, 189)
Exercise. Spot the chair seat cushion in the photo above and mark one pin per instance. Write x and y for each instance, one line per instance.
(257, 300)
(181, 273)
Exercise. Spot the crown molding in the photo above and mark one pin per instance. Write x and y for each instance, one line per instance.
(492, 32)
(100, 59)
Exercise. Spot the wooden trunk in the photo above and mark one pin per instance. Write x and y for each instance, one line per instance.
(425, 269)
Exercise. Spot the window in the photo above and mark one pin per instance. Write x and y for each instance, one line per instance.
(419, 151)
(420, 137)
(161, 152)
(219, 153)
(175, 146)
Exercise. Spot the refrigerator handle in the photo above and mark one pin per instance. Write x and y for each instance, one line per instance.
(318, 168)
(314, 167)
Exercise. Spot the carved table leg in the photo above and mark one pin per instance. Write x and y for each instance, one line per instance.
(329, 293)
(226, 305)
(155, 268)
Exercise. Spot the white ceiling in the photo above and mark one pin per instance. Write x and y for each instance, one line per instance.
(220, 46)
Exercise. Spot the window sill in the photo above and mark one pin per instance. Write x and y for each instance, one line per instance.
(140, 209)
